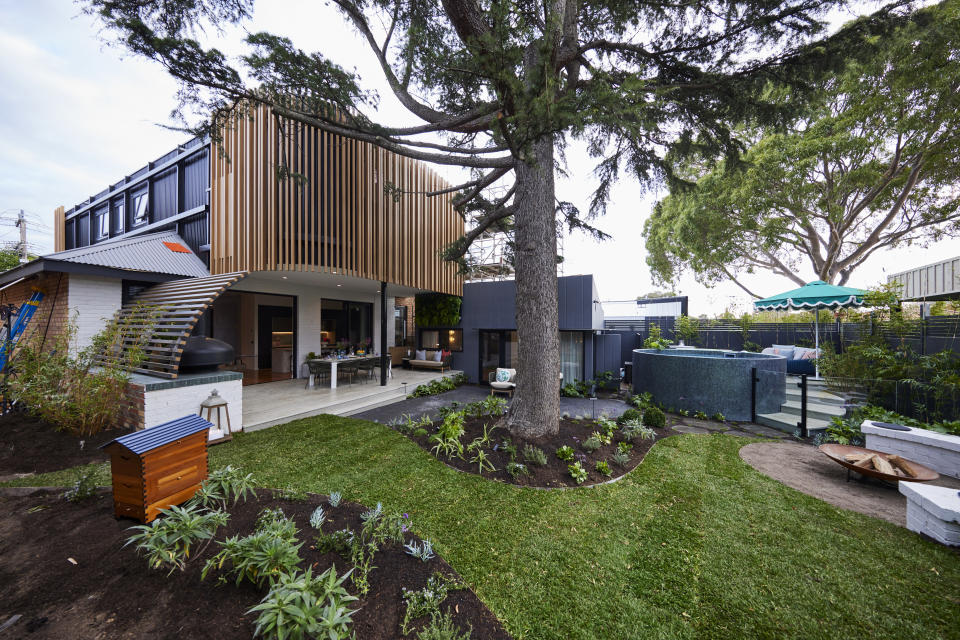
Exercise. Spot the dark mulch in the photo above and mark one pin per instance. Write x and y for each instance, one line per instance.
(555, 473)
(29, 445)
(111, 593)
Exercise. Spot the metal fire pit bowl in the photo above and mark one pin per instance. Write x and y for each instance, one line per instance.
(837, 451)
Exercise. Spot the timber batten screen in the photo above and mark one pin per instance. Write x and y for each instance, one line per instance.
(168, 313)
(340, 218)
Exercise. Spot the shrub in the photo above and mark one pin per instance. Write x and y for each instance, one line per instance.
(591, 444)
(700, 415)
(534, 455)
(631, 431)
(719, 417)
(441, 627)
(84, 487)
(482, 460)
(517, 469)
(300, 605)
(318, 517)
(427, 601)
(630, 415)
(167, 540)
(338, 541)
(603, 468)
(654, 418)
(432, 388)
(81, 392)
(656, 340)
(565, 453)
(577, 472)
(575, 389)
(641, 400)
(222, 485)
(334, 499)
(621, 457)
(423, 552)
(263, 556)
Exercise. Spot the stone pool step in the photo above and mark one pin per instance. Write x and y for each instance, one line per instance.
(814, 395)
(814, 409)
(788, 422)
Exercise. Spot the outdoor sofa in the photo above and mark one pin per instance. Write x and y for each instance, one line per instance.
(437, 360)
(799, 359)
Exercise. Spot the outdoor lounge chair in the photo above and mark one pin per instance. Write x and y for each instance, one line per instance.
(503, 381)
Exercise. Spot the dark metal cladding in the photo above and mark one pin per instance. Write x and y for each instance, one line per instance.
(154, 437)
(169, 194)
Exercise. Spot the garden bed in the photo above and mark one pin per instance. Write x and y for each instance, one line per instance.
(65, 572)
(30, 445)
(503, 452)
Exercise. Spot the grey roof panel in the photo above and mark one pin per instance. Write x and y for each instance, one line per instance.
(148, 439)
(139, 253)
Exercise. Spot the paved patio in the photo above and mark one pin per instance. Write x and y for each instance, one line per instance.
(273, 403)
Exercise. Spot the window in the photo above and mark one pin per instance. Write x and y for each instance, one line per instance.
(571, 355)
(140, 202)
(102, 224)
(117, 212)
(446, 339)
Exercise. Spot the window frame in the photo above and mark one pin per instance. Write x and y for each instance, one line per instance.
(443, 338)
(135, 198)
(101, 230)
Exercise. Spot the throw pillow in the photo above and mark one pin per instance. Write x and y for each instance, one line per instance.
(437, 356)
(809, 354)
(503, 375)
(421, 354)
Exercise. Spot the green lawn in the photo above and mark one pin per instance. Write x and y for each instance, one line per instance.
(693, 543)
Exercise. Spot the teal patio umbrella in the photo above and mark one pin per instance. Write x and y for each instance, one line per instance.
(814, 296)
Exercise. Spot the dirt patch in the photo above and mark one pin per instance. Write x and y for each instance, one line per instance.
(572, 433)
(111, 593)
(29, 445)
(805, 469)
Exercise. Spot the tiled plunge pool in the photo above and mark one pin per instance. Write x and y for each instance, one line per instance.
(711, 380)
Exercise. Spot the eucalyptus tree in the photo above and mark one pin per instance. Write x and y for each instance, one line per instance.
(500, 88)
(874, 164)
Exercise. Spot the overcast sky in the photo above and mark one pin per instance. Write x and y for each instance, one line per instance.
(76, 115)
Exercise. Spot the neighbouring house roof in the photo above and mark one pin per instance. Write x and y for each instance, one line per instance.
(937, 281)
(163, 252)
(154, 257)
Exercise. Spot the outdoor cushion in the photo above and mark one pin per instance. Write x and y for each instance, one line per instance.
(421, 354)
(437, 356)
(808, 354)
(503, 375)
(785, 350)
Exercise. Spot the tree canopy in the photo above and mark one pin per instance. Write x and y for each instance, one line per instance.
(500, 88)
(875, 163)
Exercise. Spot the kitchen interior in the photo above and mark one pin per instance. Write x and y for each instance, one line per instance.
(261, 329)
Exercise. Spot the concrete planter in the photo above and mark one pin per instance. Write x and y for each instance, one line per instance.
(939, 451)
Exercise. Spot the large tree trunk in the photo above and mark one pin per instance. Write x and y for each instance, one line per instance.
(535, 410)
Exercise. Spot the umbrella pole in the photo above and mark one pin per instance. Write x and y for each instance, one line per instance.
(816, 343)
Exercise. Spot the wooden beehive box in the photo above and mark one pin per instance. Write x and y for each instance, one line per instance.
(158, 467)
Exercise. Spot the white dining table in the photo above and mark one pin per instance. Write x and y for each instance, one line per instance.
(333, 367)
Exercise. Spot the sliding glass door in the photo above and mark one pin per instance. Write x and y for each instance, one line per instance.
(497, 349)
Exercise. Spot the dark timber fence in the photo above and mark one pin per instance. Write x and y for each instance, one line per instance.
(934, 334)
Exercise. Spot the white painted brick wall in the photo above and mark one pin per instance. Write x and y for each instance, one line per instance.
(169, 404)
(92, 301)
(938, 451)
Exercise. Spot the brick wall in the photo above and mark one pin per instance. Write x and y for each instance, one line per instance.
(51, 316)
(411, 326)
(93, 302)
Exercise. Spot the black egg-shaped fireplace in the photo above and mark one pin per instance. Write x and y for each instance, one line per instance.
(205, 354)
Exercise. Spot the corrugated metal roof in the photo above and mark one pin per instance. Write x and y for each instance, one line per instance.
(140, 253)
(141, 441)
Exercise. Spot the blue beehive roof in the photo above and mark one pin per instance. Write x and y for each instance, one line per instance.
(149, 439)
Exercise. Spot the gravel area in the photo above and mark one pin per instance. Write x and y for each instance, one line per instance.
(805, 469)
